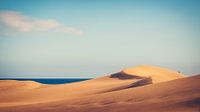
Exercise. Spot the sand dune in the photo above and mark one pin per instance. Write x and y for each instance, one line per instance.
(157, 74)
(139, 89)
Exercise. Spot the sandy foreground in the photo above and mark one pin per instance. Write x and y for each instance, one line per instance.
(137, 89)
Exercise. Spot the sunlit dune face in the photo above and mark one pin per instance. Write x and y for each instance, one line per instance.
(156, 73)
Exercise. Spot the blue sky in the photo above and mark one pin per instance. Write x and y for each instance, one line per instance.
(89, 38)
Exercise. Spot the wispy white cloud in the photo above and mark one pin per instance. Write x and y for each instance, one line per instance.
(16, 21)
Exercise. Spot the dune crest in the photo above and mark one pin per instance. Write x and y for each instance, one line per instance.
(157, 74)
(14, 84)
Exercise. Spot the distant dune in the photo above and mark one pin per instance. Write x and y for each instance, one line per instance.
(136, 89)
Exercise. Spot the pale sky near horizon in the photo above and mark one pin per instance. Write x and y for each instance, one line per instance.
(90, 38)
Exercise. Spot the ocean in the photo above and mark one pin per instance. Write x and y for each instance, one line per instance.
(49, 80)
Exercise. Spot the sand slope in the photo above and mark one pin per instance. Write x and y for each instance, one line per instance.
(139, 89)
